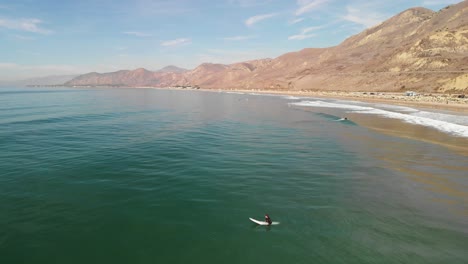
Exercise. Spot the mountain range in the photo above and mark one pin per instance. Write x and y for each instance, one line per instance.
(417, 49)
(46, 80)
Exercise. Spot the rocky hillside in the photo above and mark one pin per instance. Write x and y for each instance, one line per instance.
(418, 49)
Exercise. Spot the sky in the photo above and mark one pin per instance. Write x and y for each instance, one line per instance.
(61, 37)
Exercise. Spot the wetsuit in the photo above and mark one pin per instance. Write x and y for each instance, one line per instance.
(267, 219)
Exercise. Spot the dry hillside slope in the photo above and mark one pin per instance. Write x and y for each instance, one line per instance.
(418, 49)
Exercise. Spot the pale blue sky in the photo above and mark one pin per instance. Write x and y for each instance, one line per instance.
(48, 37)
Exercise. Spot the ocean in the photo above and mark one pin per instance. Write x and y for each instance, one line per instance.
(172, 176)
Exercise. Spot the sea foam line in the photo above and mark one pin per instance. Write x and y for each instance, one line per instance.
(292, 97)
(412, 118)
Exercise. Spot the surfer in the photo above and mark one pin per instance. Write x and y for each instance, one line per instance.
(267, 219)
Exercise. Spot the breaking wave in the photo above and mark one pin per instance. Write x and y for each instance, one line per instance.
(452, 124)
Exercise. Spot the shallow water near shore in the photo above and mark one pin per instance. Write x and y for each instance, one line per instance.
(166, 176)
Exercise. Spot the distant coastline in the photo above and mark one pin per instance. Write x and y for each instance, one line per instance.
(443, 101)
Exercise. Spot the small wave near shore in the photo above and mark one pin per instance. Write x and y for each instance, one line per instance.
(452, 124)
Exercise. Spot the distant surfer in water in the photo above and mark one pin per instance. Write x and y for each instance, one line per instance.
(267, 219)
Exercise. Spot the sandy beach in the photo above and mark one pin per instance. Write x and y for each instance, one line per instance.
(453, 102)
(450, 102)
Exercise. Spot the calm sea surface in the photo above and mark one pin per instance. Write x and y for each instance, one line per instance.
(166, 176)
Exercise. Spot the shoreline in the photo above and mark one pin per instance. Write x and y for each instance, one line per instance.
(432, 101)
(435, 101)
(459, 106)
(423, 102)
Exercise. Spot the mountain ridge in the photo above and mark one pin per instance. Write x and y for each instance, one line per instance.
(417, 49)
(42, 81)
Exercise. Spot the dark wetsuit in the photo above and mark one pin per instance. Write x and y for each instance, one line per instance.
(268, 219)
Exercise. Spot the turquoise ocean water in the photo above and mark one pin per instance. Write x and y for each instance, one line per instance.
(166, 176)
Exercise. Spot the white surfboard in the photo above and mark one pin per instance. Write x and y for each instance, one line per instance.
(262, 222)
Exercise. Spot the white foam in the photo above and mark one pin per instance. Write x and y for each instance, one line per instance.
(331, 105)
(443, 126)
(451, 124)
(292, 98)
(457, 119)
(265, 94)
(451, 118)
(234, 92)
(397, 108)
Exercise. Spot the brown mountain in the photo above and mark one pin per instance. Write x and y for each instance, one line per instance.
(139, 77)
(418, 49)
(172, 69)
